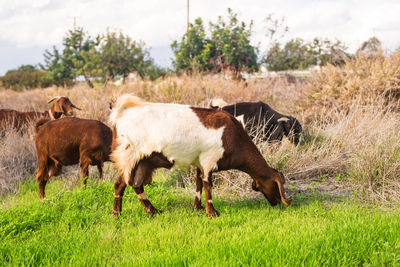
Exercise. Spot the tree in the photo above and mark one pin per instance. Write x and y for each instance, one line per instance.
(108, 55)
(292, 56)
(231, 39)
(57, 71)
(226, 47)
(299, 55)
(371, 47)
(67, 66)
(276, 29)
(119, 55)
(194, 50)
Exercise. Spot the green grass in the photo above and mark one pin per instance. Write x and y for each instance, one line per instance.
(73, 227)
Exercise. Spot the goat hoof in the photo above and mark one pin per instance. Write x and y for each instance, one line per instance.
(153, 211)
(157, 211)
(198, 207)
(114, 213)
(213, 214)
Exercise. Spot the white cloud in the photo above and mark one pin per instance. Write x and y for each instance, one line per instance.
(27, 23)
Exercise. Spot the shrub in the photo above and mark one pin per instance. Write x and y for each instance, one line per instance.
(25, 77)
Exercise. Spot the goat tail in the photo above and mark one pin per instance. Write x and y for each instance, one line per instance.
(123, 102)
(39, 123)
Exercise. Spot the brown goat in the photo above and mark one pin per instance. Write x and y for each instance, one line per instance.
(20, 119)
(69, 141)
(157, 135)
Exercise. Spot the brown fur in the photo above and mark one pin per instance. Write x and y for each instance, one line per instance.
(242, 154)
(18, 120)
(69, 141)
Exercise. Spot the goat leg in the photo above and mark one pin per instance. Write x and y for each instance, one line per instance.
(119, 189)
(210, 210)
(199, 186)
(42, 185)
(148, 207)
(100, 168)
(84, 171)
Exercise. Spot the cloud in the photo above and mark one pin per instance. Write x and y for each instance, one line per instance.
(43, 23)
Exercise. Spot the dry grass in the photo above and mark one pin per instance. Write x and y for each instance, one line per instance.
(362, 81)
(351, 137)
(17, 159)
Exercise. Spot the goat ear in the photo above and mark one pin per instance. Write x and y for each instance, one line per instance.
(286, 124)
(57, 107)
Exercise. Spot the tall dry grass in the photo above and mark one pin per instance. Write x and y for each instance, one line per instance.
(363, 81)
(17, 159)
(351, 139)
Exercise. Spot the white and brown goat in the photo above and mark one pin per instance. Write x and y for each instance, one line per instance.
(154, 135)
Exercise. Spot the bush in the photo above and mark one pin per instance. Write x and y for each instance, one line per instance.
(25, 77)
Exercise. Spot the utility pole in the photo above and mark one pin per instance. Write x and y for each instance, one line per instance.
(74, 23)
(187, 22)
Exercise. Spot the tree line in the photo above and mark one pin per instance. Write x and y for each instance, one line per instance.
(225, 46)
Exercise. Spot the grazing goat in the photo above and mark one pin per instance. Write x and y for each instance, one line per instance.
(262, 121)
(19, 119)
(148, 136)
(69, 141)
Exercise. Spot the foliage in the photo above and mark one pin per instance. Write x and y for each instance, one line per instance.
(371, 47)
(232, 45)
(299, 54)
(107, 56)
(276, 29)
(119, 55)
(195, 50)
(25, 77)
(226, 48)
(64, 67)
(153, 71)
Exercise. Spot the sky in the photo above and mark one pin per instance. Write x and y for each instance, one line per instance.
(29, 27)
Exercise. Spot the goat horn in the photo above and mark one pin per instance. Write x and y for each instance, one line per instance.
(284, 119)
(54, 98)
(75, 106)
(218, 103)
(282, 192)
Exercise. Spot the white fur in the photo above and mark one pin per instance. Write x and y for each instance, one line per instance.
(142, 196)
(51, 114)
(241, 119)
(172, 129)
(198, 195)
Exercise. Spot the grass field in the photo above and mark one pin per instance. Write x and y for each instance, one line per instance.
(73, 227)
